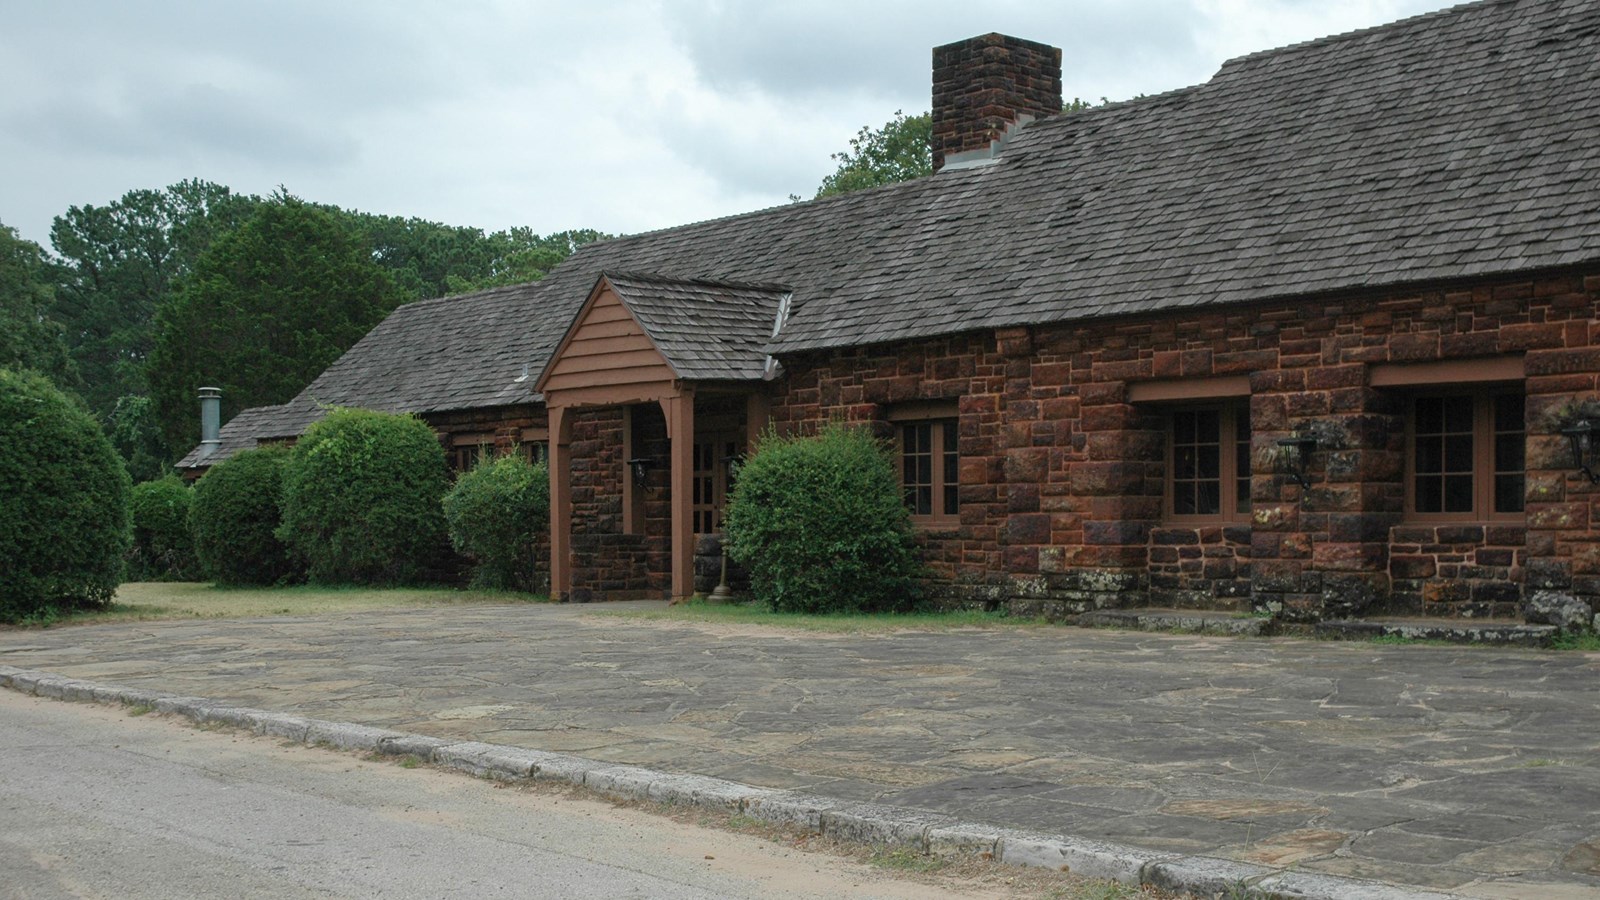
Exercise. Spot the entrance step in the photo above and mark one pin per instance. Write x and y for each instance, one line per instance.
(1193, 621)
(1504, 632)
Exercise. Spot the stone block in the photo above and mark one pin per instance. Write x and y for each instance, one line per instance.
(1558, 608)
(702, 791)
(790, 808)
(882, 825)
(346, 736)
(1090, 859)
(630, 782)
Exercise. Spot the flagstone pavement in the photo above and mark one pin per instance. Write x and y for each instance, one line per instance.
(1463, 768)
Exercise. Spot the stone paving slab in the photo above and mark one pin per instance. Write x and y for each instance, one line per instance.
(1465, 769)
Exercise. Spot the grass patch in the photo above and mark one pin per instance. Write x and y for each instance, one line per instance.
(851, 623)
(1587, 641)
(140, 709)
(146, 601)
(902, 860)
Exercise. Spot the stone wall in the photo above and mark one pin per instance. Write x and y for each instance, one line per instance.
(608, 562)
(1062, 472)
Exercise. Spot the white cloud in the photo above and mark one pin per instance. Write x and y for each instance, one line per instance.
(621, 115)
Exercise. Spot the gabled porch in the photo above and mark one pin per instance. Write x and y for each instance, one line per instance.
(657, 385)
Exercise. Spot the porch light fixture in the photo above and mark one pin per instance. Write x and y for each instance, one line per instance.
(1582, 436)
(722, 594)
(640, 466)
(1296, 452)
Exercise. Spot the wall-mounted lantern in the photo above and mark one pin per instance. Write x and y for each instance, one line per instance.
(640, 466)
(1296, 456)
(1582, 434)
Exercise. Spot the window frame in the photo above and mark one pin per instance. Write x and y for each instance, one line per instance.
(480, 446)
(1230, 413)
(942, 419)
(1484, 398)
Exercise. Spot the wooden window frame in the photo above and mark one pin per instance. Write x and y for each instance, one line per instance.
(942, 418)
(1483, 462)
(480, 444)
(1230, 411)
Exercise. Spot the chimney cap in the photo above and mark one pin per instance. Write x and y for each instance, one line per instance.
(207, 392)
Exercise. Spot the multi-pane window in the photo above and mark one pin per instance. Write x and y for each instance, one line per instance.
(930, 468)
(1467, 456)
(1208, 475)
(710, 481)
(467, 451)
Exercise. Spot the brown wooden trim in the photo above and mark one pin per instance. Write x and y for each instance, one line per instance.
(1447, 372)
(1228, 469)
(604, 313)
(942, 518)
(535, 436)
(1183, 389)
(622, 328)
(1483, 473)
(471, 439)
(622, 360)
(600, 286)
(605, 346)
(680, 431)
(923, 409)
(560, 505)
(613, 395)
(757, 413)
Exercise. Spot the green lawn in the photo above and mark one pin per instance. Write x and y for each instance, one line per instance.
(140, 601)
(849, 623)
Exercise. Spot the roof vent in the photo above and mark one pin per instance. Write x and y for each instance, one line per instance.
(984, 88)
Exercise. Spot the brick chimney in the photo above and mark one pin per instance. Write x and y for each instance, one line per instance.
(985, 86)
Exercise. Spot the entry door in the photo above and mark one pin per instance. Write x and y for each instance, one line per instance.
(711, 455)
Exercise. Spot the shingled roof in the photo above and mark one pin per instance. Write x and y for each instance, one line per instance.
(1446, 146)
(707, 330)
(1457, 144)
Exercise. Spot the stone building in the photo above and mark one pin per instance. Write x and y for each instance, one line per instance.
(1315, 338)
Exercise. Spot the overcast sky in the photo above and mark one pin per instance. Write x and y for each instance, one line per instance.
(621, 115)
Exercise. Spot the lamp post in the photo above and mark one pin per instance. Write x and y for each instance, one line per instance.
(1581, 434)
(723, 594)
(1297, 451)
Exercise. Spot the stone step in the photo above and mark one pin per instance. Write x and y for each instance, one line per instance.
(1457, 631)
(1194, 621)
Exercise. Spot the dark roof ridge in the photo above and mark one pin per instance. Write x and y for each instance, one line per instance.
(1325, 40)
(705, 281)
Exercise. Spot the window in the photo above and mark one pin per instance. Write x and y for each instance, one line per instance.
(930, 469)
(467, 450)
(1208, 464)
(1466, 456)
(535, 452)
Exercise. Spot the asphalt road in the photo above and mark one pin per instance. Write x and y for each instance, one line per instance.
(97, 803)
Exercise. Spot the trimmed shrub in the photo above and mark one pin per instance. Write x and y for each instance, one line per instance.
(163, 549)
(234, 518)
(63, 503)
(362, 498)
(496, 514)
(820, 525)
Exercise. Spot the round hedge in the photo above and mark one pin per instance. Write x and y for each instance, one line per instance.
(496, 514)
(163, 549)
(820, 525)
(63, 503)
(362, 497)
(234, 516)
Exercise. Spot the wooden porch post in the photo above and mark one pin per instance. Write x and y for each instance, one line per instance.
(560, 505)
(757, 411)
(680, 431)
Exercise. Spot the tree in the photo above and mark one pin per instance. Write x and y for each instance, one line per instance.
(29, 338)
(363, 498)
(899, 151)
(496, 514)
(63, 503)
(235, 516)
(821, 525)
(265, 310)
(519, 255)
(118, 264)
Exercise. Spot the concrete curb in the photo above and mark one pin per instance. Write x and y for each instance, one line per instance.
(871, 823)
